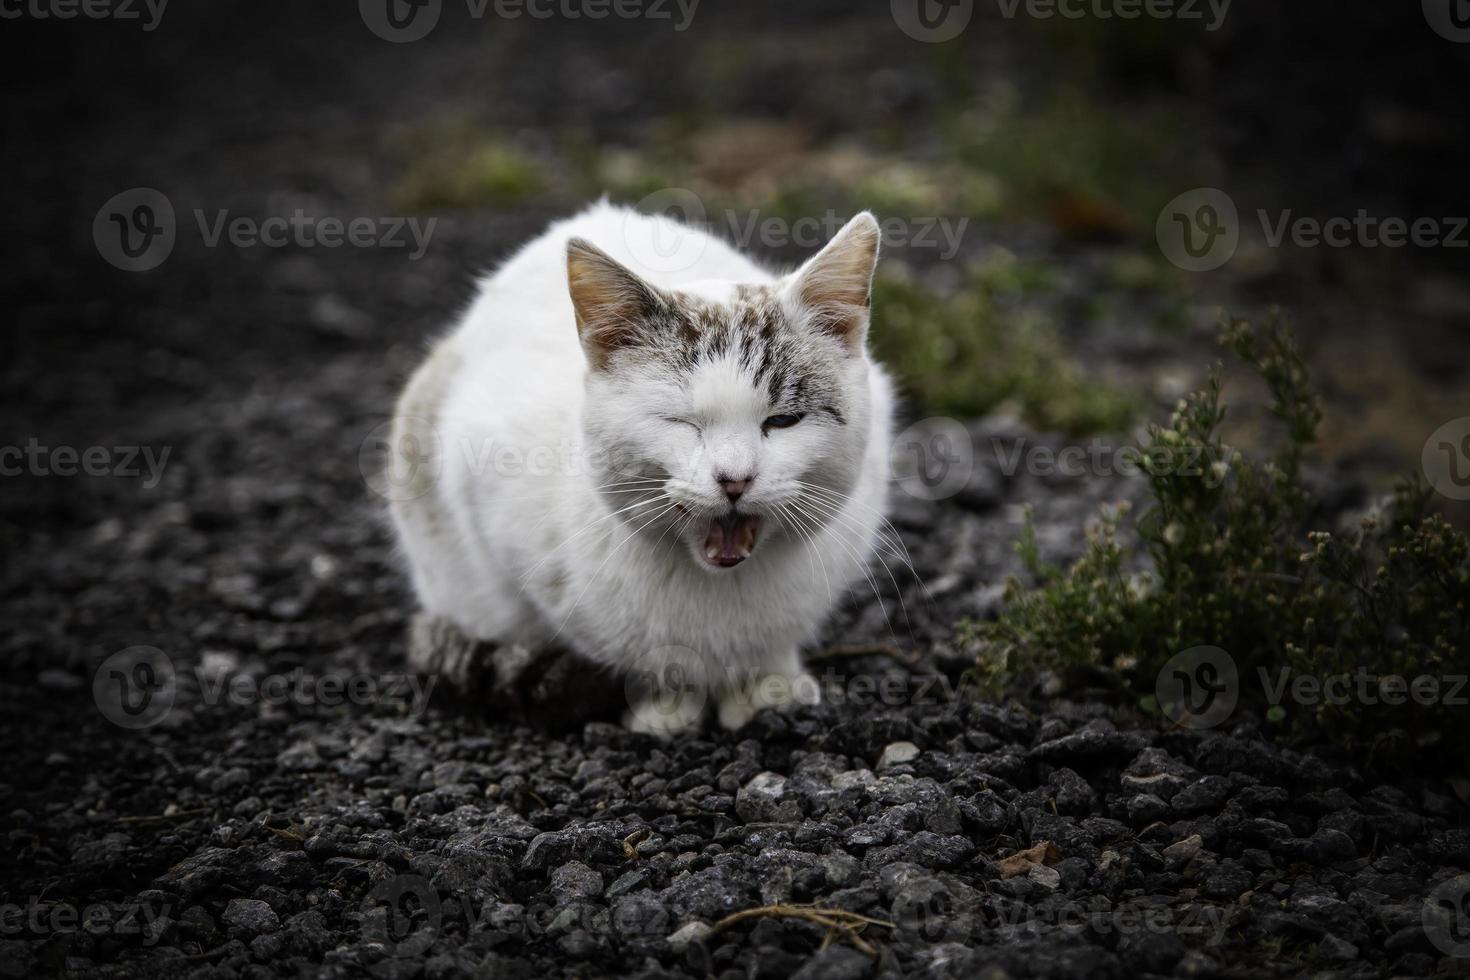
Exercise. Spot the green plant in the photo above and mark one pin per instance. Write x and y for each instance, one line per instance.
(970, 350)
(1225, 556)
(474, 171)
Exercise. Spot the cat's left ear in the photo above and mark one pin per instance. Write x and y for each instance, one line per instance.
(613, 304)
(834, 289)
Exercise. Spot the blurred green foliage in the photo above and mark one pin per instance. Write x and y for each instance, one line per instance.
(967, 351)
(467, 170)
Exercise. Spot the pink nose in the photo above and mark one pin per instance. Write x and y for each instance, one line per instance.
(735, 488)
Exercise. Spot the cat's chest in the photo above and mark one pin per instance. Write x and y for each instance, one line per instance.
(653, 602)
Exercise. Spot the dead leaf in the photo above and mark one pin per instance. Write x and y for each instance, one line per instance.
(631, 842)
(1023, 861)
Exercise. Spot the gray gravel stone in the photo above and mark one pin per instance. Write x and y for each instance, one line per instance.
(767, 798)
(249, 917)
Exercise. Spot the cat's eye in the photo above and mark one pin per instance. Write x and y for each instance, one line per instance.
(780, 422)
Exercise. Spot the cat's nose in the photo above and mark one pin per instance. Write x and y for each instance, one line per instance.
(734, 489)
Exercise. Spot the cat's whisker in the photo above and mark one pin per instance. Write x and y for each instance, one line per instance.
(678, 525)
(844, 521)
(896, 541)
(498, 498)
(807, 538)
(898, 549)
(863, 567)
(892, 542)
(598, 571)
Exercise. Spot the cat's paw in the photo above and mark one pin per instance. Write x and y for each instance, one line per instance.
(780, 691)
(665, 717)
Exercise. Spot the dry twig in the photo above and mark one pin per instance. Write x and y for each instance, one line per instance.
(837, 921)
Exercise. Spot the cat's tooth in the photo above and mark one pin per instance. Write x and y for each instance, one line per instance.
(712, 552)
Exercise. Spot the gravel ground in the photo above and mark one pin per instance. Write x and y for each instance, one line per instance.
(232, 832)
(253, 818)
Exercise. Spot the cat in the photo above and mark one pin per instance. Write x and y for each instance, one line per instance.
(642, 445)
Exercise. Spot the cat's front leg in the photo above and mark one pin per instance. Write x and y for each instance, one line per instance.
(664, 709)
(780, 687)
(663, 720)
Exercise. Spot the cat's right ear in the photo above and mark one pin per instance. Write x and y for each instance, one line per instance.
(612, 303)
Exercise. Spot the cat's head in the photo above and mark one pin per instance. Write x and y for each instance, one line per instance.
(729, 417)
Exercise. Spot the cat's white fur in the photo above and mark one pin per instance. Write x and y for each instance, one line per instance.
(508, 536)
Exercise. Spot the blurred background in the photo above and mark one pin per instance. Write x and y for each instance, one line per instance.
(1027, 156)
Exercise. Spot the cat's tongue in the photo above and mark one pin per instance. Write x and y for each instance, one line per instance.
(731, 539)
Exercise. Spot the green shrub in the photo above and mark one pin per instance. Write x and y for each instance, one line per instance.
(968, 351)
(1225, 556)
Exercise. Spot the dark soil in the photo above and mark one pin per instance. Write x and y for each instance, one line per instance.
(226, 834)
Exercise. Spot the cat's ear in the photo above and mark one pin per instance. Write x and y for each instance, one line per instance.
(612, 303)
(833, 290)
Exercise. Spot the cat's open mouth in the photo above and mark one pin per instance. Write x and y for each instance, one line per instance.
(731, 539)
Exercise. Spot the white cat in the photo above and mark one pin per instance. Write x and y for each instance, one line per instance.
(643, 446)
